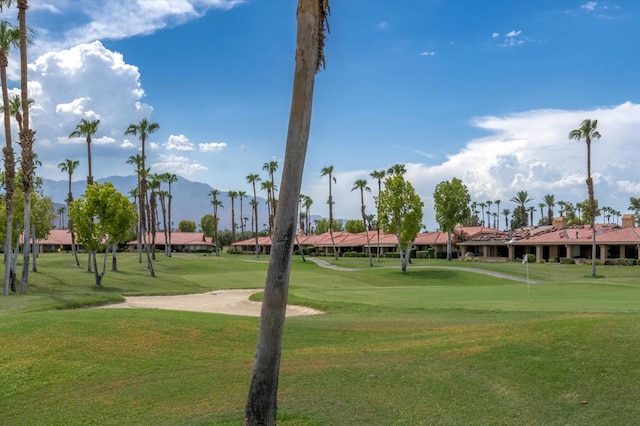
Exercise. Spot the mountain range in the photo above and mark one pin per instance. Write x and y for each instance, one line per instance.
(191, 200)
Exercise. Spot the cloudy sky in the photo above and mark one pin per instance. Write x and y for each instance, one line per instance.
(482, 90)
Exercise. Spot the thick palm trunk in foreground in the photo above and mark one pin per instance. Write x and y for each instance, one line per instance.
(262, 400)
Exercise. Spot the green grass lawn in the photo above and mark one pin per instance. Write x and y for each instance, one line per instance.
(431, 346)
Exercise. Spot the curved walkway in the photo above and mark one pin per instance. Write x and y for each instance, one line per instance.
(324, 264)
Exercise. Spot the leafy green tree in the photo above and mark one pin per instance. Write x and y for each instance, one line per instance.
(588, 131)
(400, 214)
(207, 224)
(322, 226)
(101, 216)
(354, 226)
(451, 202)
(261, 407)
(187, 226)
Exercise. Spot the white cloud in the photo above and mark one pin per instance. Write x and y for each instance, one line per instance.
(589, 6)
(179, 143)
(524, 151)
(212, 146)
(426, 53)
(513, 33)
(495, 35)
(64, 85)
(113, 19)
(177, 164)
(244, 147)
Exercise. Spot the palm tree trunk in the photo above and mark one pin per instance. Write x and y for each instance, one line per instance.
(10, 177)
(261, 405)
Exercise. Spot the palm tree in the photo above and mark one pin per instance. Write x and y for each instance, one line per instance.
(252, 179)
(26, 134)
(521, 199)
(69, 167)
(137, 160)
(541, 206)
(9, 37)
(267, 185)
(233, 195)
(60, 212)
(241, 195)
(397, 169)
(142, 130)
(271, 167)
(550, 202)
(261, 407)
(482, 206)
(361, 184)
(489, 203)
(308, 201)
(378, 175)
(216, 203)
(506, 213)
(169, 178)
(87, 129)
(328, 171)
(531, 211)
(587, 131)
(154, 187)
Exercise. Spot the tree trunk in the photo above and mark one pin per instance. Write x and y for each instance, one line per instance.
(24, 281)
(36, 249)
(449, 246)
(261, 405)
(114, 259)
(98, 277)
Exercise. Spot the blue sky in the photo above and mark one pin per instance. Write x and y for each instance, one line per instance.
(485, 91)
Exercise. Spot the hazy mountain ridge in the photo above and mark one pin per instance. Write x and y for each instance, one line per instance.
(191, 200)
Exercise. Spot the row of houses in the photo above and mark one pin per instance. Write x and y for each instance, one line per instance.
(547, 243)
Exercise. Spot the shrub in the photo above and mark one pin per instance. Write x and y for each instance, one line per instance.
(567, 261)
(531, 258)
(390, 255)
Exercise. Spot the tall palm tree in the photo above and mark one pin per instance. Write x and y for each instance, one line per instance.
(328, 171)
(482, 206)
(521, 199)
(378, 175)
(497, 203)
(397, 169)
(588, 131)
(9, 37)
(271, 167)
(87, 129)
(531, 211)
(241, 195)
(170, 178)
(489, 203)
(267, 185)
(142, 130)
(60, 212)
(506, 213)
(137, 161)
(215, 203)
(26, 134)
(361, 184)
(308, 201)
(232, 196)
(261, 407)
(69, 167)
(252, 179)
(550, 202)
(154, 187)
(541, 206)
